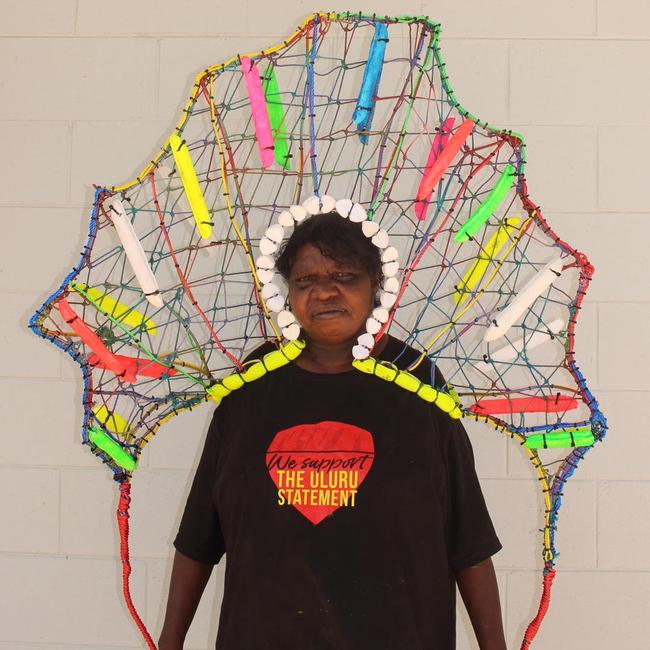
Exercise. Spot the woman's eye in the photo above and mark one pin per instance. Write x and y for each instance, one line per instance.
(303, 281)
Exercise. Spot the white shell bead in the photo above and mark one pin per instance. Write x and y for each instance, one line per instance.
(388, 299)
(380, 313)
(275, 233)
(373, 326)
(344, 207)
(285, 219)
(285, 318)
(390, 254)
(391, 284)
(265, 275)
(369, 228)
(275, 303)
(327, 203)
(299, 213)
(380, 240)
(390, 269)
(358, 214)
(267, 246)
(291, 332)
(359, 352)
(367, 340)
(265, 262)
(312, 205)
(269, 290)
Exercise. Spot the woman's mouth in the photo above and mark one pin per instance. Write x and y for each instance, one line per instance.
(326, 314)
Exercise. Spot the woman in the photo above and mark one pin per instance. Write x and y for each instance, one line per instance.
(349, 508)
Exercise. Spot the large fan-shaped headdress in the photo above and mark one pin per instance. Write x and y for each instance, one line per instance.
(352, 113)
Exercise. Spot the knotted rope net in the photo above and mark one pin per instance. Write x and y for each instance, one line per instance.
(167, 299)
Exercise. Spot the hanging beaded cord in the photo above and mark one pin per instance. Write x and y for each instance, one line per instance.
(171, 294)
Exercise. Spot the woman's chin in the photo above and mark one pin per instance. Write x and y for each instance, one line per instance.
(330, 333)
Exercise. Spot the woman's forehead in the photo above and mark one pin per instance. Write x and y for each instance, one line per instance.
(310, 257)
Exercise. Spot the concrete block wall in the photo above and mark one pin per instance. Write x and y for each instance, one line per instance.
(90, 88)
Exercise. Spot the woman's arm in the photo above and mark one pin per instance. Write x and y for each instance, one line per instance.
(478, 587)
(186, 586)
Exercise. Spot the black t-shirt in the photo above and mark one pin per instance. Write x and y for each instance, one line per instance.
(345, 504)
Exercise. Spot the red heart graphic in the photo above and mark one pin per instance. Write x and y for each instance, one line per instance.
(318, 468)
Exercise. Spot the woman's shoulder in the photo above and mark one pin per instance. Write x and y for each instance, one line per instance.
(260, 351)
(405, 356)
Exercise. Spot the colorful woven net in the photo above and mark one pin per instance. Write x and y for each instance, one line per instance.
(166, 301)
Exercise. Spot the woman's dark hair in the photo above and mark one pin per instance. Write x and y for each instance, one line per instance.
(335, 237)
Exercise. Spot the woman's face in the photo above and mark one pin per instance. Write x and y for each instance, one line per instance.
(330, 299)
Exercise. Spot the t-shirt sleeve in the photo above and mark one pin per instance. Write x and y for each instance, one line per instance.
(199, 535)
(472, 537)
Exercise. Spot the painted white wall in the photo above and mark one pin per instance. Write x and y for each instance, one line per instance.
(90, 88)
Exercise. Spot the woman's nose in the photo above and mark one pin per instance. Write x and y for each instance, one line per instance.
(324, 287)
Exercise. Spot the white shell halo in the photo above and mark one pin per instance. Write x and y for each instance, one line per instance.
(275, 234)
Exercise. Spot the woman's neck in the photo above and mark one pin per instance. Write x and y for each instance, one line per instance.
(332, 359)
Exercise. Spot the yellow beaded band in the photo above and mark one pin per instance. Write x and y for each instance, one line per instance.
(407, 381)
(256, 369)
